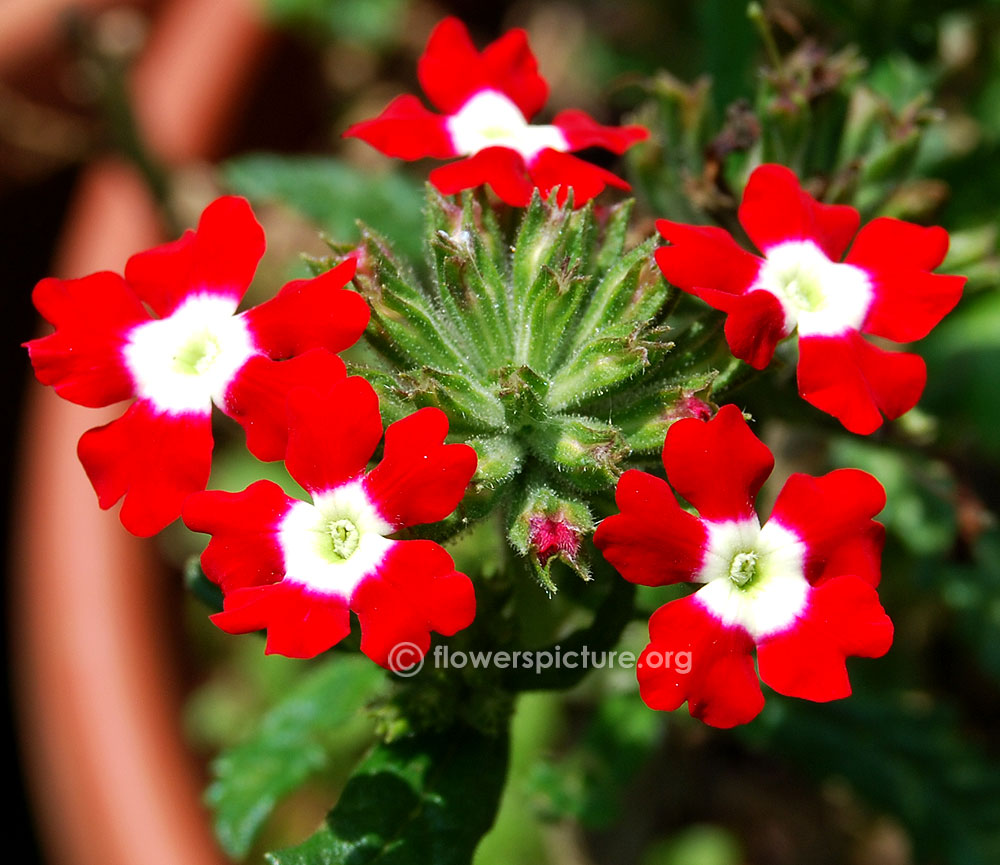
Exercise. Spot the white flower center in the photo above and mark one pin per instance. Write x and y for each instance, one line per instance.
(820, 296)
(755, 577)
(182, 362)
(330, 545)
(490, 119)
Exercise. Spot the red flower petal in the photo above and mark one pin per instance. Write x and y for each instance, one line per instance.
(550, 169)
(299, 623)
(258, 395)
(155, 460)
(908, 300)
(244, 550)
(420, 479)
(717, 465)
(219, 258)
(502, 168)
(884, 242)
(860, 555)
(581, 131)
(776, 209)
(844, 618)
(415, 590)
(830, 512)
(310, 313)
(652, 541)
(706, 262)
(332, 434)
(406, 130)
(160, 276)
(451, 70)
(715, 673)
(82, 360)
(755, 326)
(511, 67)
(847, 377)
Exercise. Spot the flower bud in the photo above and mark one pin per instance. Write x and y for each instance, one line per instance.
(549, 528)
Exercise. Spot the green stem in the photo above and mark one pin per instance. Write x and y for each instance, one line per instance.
(610, 619)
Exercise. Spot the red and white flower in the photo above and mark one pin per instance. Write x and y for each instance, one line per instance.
(800, 590)
(193, 351)
(884, 286)
(487, 101)
(298, 568)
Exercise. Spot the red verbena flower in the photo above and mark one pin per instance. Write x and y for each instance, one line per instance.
(192, 352)
(884, 286)
(298, 568)
(800, 589)
(487, 101)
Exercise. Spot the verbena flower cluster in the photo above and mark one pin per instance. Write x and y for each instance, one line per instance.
(542, 357)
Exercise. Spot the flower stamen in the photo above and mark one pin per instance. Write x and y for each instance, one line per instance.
(743, 568)
(197, 355)
(345, 537)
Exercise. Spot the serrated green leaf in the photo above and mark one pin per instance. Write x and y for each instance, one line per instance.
(423, 800)
(287, 748)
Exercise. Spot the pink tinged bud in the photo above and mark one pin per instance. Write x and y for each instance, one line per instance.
(363, 261)
(550, 536)
(549, 528)
(689, 406)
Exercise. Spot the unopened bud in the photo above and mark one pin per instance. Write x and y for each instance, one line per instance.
(549, 528)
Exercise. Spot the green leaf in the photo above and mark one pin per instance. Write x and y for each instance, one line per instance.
(423, 800)
(288, 747)
(333, 195)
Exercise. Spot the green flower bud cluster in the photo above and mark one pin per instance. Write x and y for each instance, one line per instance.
(548, 344)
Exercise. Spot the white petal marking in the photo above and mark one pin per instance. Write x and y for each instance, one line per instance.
(304, 536)
(820, 296)
(490, 119)
(183, 362)
(776, 596)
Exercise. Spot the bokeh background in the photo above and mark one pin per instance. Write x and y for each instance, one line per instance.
(119, 121)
